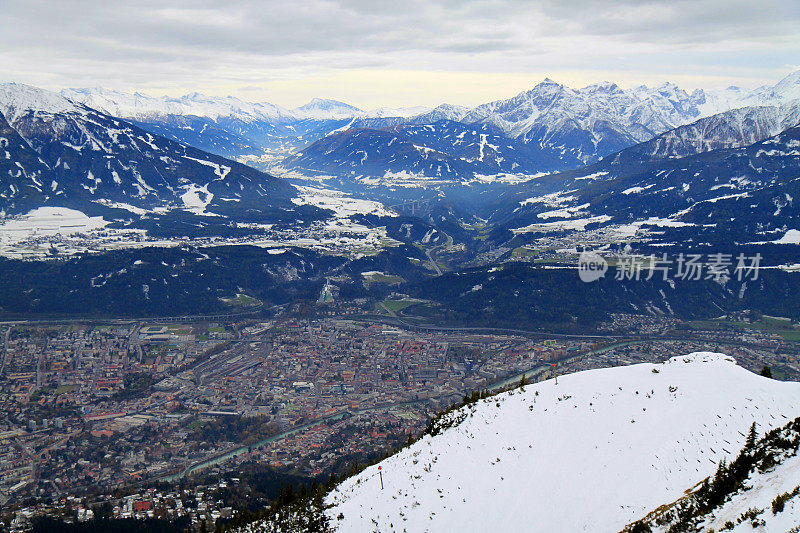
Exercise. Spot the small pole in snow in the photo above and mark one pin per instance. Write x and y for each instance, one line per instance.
(554, 372)
(381, 475)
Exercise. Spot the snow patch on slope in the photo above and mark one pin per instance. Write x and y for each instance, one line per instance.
(47, 221)
(197, 198)
(592, 453)
(792, 236)
(340, 203)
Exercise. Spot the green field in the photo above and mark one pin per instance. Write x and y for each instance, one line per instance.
(768, 324)
(396, 306)
(524, 252)
(380, 277)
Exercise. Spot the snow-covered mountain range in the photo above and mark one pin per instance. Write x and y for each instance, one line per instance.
(593, 452)
(510, 162)
(613, 118)
(552, 122)
(574, 126)
(136, 105)
(729, 129)
(59, 152)
(141, 106)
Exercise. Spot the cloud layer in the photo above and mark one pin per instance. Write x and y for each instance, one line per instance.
(359, 50)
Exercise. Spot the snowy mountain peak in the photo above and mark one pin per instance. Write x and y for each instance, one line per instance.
(137, 105)
(16, 99)
(672, 92)
(443, 112)
(548, 86)
(188, 97)
(789, 87)
(450, 107)
(525, 457)
(323, 108)
(604, 87)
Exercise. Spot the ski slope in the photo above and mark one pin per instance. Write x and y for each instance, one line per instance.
(594, 452)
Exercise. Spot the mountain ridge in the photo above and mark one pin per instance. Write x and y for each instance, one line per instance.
(582, 126)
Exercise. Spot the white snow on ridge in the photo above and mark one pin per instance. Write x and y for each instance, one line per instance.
(121, 205)
(401, 112)
(219, 170)
(551, 200)
(326, 109)
(635, 190)
(16, 99)
(566, 212)
(509, 179)
(339, 130)
(121, 104)
(593, 453)
(628, 231)
(762, 488)
(594, 176)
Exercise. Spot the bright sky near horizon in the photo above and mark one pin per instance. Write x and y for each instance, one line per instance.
(373, 53)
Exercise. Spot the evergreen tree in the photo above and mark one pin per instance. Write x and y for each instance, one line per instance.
(766, 372)
(332, 481)
(750, 443)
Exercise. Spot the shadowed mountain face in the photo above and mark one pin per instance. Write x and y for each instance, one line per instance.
(21, 172)
(59, 153)
(730, 129)
(740, 194)
(445, 150)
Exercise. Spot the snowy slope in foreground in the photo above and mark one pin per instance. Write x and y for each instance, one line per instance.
(595, 452)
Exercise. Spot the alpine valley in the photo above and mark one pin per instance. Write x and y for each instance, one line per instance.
(120, 191)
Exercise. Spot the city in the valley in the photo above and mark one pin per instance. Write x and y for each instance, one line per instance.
(174, 419)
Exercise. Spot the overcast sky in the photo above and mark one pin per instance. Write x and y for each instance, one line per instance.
(374, 53)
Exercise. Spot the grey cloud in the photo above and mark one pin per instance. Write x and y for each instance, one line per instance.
(124, 41)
